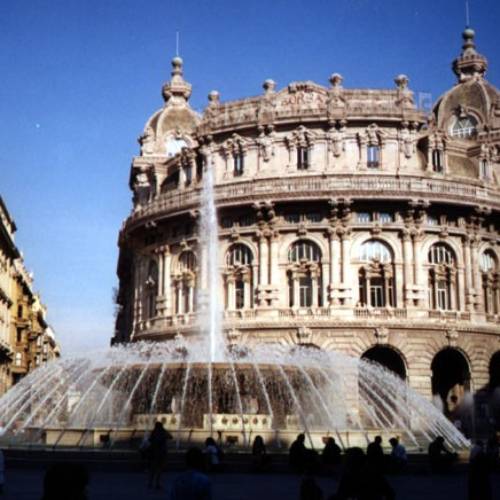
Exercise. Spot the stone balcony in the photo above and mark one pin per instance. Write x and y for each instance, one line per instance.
(320, 316)
(313, 187)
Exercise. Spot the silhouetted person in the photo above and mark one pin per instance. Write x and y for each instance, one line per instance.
(65, 481)
(332, 454)
(361, 481)
(260, 458)
(375, 453)
(157, 454)
(213, 455)
(297, 454)
(479, 484)
(399, 459)
(192, 484)
(440, 458)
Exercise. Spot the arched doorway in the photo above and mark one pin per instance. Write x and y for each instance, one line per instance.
(388, 358)
(494, 390)
(451, 384)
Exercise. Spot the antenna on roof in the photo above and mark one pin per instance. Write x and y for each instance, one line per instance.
(467, 15)
(176, 44)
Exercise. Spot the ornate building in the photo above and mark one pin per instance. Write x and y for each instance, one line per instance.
(26, 340)
(348, 220)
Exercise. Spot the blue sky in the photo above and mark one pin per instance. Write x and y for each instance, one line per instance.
(80, 78)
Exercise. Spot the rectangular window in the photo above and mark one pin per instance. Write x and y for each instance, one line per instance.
(432, 221)
(188, 172)
(239, 294)
(292, 218)
(385, 218)
(442, 295)
(437, 161)
(363, 217)
(238, 164)
(246, 220)
(377, 293)
(313, 217)
(302, 158)
(19, 335)
(373, 156)
(305, 291)
(226, 222)
(484, 170)
(20, 311)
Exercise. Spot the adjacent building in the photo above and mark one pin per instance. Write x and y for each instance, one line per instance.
(349, 220)
(26, 340)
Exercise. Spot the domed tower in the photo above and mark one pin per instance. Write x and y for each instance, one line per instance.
(348, 219)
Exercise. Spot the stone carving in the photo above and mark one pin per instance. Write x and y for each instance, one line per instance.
(265, 142)
(146, 141)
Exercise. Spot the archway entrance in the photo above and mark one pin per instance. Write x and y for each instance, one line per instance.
(451, 384)
(494, 390)
(388, 358)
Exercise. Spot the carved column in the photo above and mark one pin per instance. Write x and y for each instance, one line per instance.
(334, 267)
(263, 260)
(469, 296)
(167, 285)
(476, 274)
(296, 290)
(418, 270)
(247, 303)
(273, 260)
(346, 265)
(231, 303)
(407, 267)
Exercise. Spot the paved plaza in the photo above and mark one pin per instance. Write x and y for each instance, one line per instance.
(26, 484)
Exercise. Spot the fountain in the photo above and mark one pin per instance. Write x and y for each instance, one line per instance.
(201, 387)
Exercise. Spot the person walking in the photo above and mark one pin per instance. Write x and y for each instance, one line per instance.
(157, 454)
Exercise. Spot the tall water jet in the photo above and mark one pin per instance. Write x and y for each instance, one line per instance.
(210, 313)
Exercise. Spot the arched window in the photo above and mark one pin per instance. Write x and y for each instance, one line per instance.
(464, 127)
(304, 250)
(304, 274)
(239, 255)
(239, 277)
(490, 282)
(376, 275)
(185, 283)
(442, 277)
(151, 287)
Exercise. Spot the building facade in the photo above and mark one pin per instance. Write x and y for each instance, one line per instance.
(26, 340)
(349, 220)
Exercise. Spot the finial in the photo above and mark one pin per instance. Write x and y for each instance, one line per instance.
(213, 97)
(177, 86)
(401, 82)
(336, 79)
(269, 86)
(470, 64)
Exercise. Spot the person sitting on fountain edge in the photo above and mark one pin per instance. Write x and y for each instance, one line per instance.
(331, 455)
(375, 453)
(440, 458)
(297, 455)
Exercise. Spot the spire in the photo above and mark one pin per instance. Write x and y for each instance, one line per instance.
(177, 90)
(470, 64)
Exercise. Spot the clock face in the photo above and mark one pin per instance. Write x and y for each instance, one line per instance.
(174, 146)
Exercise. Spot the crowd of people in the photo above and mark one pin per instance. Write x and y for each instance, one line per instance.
(360, 474)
